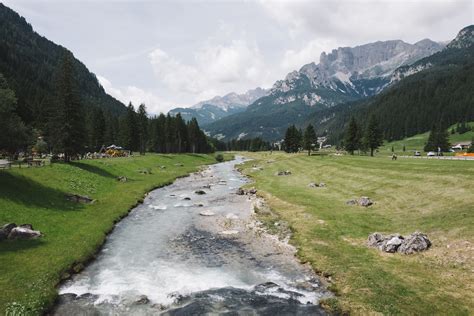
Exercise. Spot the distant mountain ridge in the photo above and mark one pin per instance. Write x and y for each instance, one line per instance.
(437, 89)
(343, 75)
(220, 106)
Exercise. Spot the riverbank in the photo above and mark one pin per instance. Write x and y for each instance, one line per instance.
(31, 270)
(434, 197)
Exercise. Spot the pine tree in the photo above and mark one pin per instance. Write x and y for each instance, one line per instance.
(309, 138)
(97, 129)
(181, 134)
(193, 135)
(142, 121)
(352, 137)
(373, 135)
(13, 133)
(292, 139)
(437, 139)
(68, 128)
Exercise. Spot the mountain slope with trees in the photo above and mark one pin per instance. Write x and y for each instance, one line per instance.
(440, 94)
(345, 74)
(30, 61)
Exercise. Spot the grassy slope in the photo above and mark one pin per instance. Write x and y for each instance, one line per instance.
(431, 196)
(417, 142)
(30, 270)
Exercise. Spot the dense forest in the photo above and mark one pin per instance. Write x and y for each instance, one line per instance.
(50, 102)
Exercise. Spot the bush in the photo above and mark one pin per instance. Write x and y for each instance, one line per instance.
(219, 158)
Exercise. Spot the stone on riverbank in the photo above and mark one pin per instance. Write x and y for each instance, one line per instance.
(415, 242)
(24, 233)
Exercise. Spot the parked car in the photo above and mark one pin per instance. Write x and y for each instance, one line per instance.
(431, 154)
(417, 153)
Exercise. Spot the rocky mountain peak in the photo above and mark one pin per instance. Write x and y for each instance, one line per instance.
(464, 39)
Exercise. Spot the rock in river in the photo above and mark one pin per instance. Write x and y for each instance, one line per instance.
(200, 192)
(207, 213)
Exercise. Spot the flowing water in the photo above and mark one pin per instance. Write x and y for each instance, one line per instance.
(184, 253)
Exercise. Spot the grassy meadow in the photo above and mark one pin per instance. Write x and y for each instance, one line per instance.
(30, 270)
(417, 142)
(431, 196)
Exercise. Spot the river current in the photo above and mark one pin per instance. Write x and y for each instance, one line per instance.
(185, 253)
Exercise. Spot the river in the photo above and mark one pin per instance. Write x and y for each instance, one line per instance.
(184, 253)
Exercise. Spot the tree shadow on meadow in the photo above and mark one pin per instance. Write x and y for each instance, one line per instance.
(21, 190)
(18, 245)
(93, 169)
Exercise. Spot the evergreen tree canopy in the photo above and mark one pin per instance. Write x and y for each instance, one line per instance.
(373, 136)
(352, 137)
(309, 138)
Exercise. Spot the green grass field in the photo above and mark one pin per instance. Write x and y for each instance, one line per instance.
(417, 142)
(431, 196)
(30, 270)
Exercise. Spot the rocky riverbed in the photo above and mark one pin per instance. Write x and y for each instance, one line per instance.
(194, 247)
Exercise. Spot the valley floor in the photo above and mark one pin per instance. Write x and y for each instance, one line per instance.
(432, 196)
(30, 270)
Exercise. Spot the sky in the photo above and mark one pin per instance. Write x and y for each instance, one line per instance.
(172, 53)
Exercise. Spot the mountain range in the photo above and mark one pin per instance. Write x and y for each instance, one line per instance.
(345, 74)
(219, 107)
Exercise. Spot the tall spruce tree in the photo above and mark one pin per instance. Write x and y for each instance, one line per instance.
(13, 133)
(142, 122)
(437, 139)
(373, 136)
(97, 129)
(352, 137)
(193, 135)
(292, 139)
(309, 138)
(68, 128)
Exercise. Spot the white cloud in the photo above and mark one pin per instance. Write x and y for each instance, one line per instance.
(137, 96)
(216, 69)
(294, 59)
(356, 22)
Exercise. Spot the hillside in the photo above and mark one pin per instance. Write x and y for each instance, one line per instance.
(219, 107)
(417, 142)
(346, 74)
(437, 89)
(29, 62)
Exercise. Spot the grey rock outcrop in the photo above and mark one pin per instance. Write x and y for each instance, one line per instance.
(79, 198)
(415, 242)
(23, 233)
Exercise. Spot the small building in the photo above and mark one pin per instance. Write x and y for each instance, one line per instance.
(462, 145)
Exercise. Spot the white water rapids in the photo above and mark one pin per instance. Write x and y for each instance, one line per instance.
(166, 257)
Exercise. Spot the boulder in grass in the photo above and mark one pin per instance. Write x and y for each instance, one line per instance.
(416, 242)
(365, 201)
(252, 191)
(122, 179)
(6, 229)
(24, 233)
(283, 173)
(392, 243)
(351, 202)
(79, 198)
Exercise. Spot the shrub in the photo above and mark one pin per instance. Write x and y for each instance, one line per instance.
(219, 158)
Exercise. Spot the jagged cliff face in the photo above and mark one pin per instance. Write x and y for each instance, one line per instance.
(358, 71)
(219, 107)
(345, 74)
(464, 40)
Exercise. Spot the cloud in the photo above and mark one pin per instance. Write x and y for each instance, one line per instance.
(137, 96)
(358, 21)
(293, 59)
(216, 69)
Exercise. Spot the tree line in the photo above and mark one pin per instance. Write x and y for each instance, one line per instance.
(65, 128)
(295, 139)
(358, 137)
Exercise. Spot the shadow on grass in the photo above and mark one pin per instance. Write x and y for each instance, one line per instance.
(94, 169)
(17, 245)
(19, 189)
